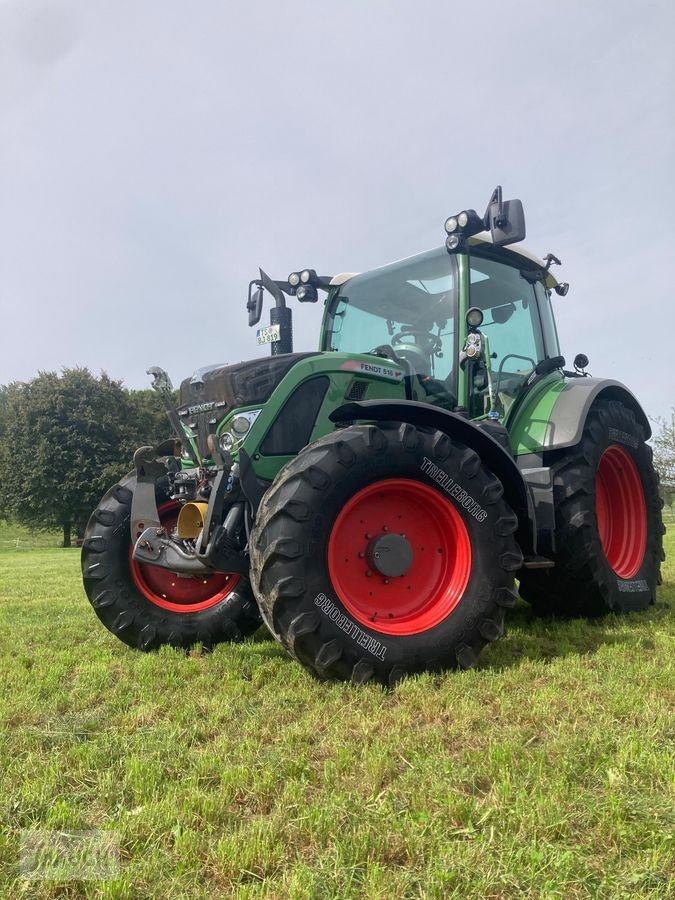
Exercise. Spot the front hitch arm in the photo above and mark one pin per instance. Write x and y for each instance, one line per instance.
(144, 512)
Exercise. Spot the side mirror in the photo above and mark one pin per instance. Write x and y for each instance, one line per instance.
(254, 305)
(507, 226)
(505, 219)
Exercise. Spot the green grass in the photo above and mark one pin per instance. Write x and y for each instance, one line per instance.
(546, 772)
(16, 537)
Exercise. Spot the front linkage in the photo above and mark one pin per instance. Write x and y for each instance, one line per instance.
(206, 538)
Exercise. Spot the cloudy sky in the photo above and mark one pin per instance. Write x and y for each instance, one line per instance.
(154, 154)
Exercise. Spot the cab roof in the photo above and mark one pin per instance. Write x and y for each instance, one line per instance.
(483, 238)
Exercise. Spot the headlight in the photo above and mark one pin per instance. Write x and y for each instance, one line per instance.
(451, 224)
(474, 317)
(236, 430)
(226, 441)
(294, 279)
(240, 425)
(463, 219)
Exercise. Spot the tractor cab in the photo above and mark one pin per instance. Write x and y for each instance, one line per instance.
(469, 327)
(468, 322)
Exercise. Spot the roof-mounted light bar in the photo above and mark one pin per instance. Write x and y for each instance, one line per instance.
(464, 224)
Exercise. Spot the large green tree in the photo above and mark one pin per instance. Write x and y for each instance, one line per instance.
(64, 439)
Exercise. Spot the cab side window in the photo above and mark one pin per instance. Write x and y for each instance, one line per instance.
(512, 330)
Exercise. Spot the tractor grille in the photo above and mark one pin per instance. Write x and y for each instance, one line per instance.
(357, 390)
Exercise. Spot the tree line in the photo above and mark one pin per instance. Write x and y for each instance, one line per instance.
(64, 440)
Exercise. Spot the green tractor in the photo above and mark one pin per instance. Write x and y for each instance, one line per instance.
(373, 501)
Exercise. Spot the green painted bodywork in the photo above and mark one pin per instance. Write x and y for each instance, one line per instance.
(529, 424)
(464, 281)
(340, 380)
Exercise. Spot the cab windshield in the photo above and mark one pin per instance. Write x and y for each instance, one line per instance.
(409, 307)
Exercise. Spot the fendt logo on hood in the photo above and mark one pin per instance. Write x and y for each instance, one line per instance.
(201, 407)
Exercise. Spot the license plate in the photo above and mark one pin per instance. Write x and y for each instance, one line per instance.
(268, 335)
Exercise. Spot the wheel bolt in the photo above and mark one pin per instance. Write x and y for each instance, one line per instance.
(386, 581)
(385, 528)
(368, 573)
(361, 555)
(368, 536)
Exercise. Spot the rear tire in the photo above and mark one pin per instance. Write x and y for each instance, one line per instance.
(146, 606)
(609, 531)
(381, 551)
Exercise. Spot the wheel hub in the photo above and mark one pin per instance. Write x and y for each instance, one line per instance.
(389, 554)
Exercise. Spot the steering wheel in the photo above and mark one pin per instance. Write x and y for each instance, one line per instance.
(422, 341)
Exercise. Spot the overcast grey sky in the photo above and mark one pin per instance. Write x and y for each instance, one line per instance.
(154, 154)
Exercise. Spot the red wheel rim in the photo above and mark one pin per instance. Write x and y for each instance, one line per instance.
(436, 579)
(621, 512)
(178, 594)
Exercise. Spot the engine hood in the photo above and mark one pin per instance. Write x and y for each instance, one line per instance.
(212, 393)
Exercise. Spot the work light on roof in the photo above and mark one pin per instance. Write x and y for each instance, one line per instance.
(307, 293)
(464, 224)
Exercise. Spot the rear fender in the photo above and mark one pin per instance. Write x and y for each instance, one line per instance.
(568, 416)
(495, 457)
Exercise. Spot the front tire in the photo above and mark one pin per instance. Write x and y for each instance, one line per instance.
(381, 551)
(609, 532)
(146, 606)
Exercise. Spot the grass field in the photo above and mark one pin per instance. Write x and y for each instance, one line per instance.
(14, 537)
(546, 772)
